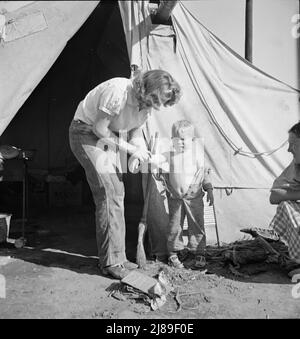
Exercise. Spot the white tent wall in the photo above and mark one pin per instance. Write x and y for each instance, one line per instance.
(275, 45)
(226, 19)
(230, 102)
(277, 52)
(275, 49)
(10, 6)
(23, 71)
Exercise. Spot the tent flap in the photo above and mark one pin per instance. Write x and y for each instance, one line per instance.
(38, 34)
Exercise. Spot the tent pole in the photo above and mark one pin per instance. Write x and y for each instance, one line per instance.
(249, 30)
(48, 128)
(298, 49)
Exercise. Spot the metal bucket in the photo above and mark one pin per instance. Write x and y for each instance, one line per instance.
(4, 227)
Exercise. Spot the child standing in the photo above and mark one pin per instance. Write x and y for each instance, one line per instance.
(186, 183)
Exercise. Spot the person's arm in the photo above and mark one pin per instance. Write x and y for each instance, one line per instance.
(208, 187)
(136, 137)
(284, 187)
(157, 161)
(102, 131)
(280, 194)
(160, 161)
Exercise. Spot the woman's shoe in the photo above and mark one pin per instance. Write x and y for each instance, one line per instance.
(175, 262)
(116, 271)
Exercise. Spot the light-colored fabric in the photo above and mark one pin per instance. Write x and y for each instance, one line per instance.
(114, 97)
(242, 113)
(2, 28)
(137, 25)
(286, 223)
(225, 97)
(109, 96)
(24, 62)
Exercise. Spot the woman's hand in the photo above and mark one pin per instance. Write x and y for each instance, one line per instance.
(159, 161)
(134, 165)
(142, 154)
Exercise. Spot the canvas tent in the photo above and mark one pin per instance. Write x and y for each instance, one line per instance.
(64, 65)
(242, 113)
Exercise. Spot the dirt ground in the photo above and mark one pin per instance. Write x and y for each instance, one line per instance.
(56, 276)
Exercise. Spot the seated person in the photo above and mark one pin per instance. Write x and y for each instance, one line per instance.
(185, 183)
(285, 193)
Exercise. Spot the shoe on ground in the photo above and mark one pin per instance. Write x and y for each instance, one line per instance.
(175, 262)
(117, 271)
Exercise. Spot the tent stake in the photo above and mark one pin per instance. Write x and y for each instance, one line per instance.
(216, 226)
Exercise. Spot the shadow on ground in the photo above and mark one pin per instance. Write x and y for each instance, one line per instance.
(65, 238)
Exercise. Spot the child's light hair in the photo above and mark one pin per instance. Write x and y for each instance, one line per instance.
(155, 88)
(182, 128)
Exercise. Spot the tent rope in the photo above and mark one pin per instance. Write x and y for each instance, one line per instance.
(237, 150)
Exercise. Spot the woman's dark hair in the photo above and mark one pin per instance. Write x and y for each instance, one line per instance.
(295, 129)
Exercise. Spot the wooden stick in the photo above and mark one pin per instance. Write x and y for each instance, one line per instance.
(216, 225)
(142, 228)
